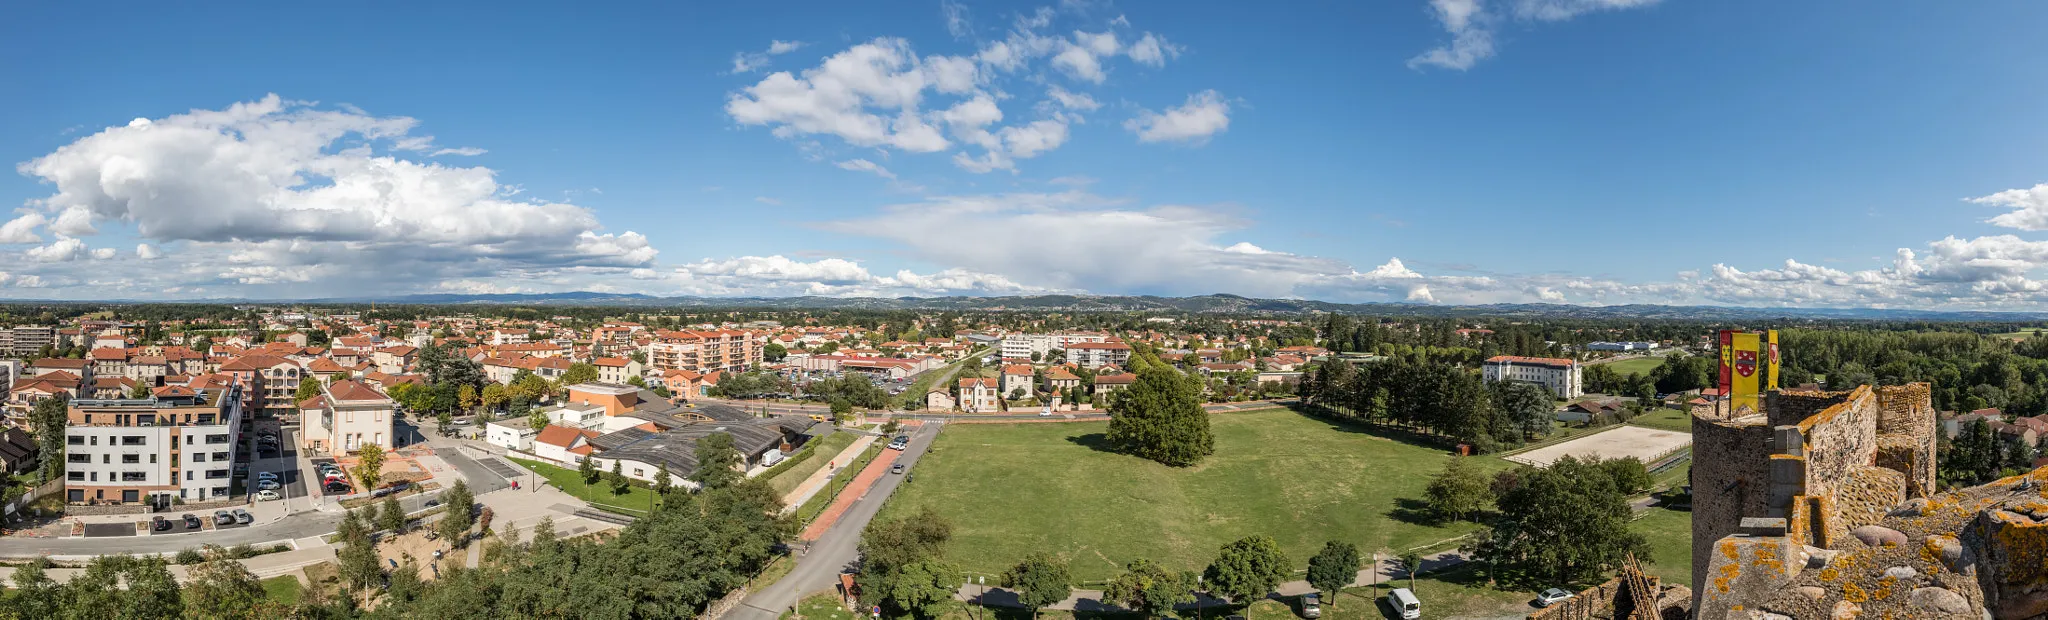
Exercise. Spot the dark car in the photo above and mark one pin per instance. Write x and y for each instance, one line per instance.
(192, 522)
(159, 523)
(337, 488)
(223, 517)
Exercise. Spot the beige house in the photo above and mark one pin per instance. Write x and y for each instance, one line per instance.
(345, 417)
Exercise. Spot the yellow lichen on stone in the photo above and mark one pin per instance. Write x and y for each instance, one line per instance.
(1854, 594)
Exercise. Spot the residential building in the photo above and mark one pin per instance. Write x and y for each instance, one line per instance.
(615, 369)
(346, 416)
(176, 444)
(979, 395)
(1099, 354)
(1017, 381)
(1105, 384)
(1060, 380)
(17, 451)
(26, 340)
(515, 433)
(271, 383)
(394, 360)
(1561, 376)
(705, 351)
(940, 400)
(564, 445)
(1027, 347)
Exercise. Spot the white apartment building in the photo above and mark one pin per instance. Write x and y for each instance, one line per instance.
(178, 444)
(1099, 354)
(1560, 376)
(346, 416)
(1020, 347)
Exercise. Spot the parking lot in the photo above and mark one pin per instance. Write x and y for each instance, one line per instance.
(501, 468)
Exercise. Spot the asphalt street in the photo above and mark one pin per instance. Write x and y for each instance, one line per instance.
(839, 549)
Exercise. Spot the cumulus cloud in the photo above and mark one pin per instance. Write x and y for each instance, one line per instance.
(305, 191)
(882, 94)
(2029, 207)
(22, 229)
(148, 252)
(1471, 25)
(780, 275)
(1203, 116)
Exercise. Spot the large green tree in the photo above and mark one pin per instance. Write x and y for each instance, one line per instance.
(1333, 569)
(455, 524)
(1459, 491)
(1039, 580)
(49, 419)
(1249, 568)
(222, 588)
(1150, 589)
(579, 372)
(717, 461)
(1562, 524)
(1160, 418)
(907, 548)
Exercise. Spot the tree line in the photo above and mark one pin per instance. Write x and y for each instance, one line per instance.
(1434, 398)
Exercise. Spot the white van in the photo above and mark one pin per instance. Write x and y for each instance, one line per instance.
(1405, 602)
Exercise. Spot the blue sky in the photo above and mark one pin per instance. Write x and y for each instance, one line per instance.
(1448, 151)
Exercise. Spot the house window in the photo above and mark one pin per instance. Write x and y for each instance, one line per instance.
(75, 476)
(133, 476)
(216, 439)
(199, 457)
(131, 459)
(75, 440)
(216, 474)
(220, 456)
(78, 458)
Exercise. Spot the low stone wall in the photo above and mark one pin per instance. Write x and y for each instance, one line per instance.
(122, 509)
(1595, 602)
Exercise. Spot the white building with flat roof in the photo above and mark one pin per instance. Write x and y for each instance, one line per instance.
(1561, 376)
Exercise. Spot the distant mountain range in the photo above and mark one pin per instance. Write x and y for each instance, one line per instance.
(1219, 304)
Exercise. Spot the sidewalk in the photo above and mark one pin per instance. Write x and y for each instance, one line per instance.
(847, 496)
(263, 566)
(812, 485)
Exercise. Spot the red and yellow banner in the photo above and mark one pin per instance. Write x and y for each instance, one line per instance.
(1749, 366)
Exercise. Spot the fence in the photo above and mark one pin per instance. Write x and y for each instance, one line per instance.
(22, 503)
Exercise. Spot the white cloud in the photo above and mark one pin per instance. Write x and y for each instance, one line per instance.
(63, 250)
(1203, 116)
(103, 253)
(767, 201)
(1153, 50)
(757, 275)
(2029, 207)
(467, 151)
(958, 23)
(1078, 102)
(1472, 23)
(746, 62)
(862, 165)
(881, 94)
(22, 229)
(305, 190)
(146, 251)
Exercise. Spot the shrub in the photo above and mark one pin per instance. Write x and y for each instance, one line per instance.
(189, 557)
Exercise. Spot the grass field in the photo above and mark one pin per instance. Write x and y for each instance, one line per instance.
(633, 501)
(283, 589)
(2020, 335)
(1670, 534)
(1010, 490)
(1666, 418)
(821, 455)
(1640, 365)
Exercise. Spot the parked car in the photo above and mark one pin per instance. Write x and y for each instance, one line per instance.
(1404, 601)
(192, 522)
(1312, 606)
(1552, 596)
(267, 495)
(337, 488)
(242, 515)
(222, 517)
(900, 442)
(267, 485)
(266, 475)
(159, 523)
(896, 469)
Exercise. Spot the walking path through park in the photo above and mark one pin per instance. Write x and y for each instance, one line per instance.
(812, 485)
(853, 491)
(1386, 571)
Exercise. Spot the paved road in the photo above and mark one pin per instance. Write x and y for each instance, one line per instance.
(302, 525)
(819, 568)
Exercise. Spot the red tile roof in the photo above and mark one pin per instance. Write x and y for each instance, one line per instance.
(1537, 361)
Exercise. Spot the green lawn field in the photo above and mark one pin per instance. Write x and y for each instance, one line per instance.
(1670, 534)
(1666, 418)
(635, 500)
(1013, 489)
(822, 455)
(1640, 365)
